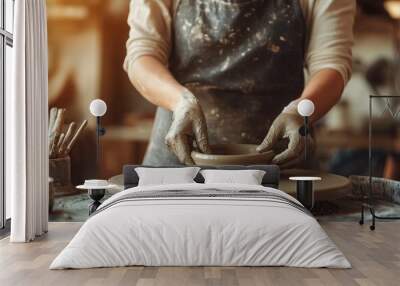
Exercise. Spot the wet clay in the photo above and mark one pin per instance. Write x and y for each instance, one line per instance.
(232, 154)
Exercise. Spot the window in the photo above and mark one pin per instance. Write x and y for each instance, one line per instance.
(6, 62)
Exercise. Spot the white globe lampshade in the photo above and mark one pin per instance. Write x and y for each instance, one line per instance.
(306, 107)
(98, 107)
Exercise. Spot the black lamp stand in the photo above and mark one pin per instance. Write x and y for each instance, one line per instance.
(305, 192)
(97, 194)
(100, 131)
(304, 131)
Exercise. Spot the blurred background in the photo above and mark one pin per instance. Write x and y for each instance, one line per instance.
(87, 48)
(86, 51)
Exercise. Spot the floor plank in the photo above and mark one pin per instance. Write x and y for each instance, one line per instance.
(375, 257)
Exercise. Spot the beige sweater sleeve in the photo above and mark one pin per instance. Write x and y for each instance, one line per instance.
(150, 30)
(330, 35)
(329, 25)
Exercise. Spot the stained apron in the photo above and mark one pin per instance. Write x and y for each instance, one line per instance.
(242, 59)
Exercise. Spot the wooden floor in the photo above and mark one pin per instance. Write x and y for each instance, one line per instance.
(375, 257)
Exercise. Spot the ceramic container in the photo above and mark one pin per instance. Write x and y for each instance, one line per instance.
(232, 154)
(60, 171)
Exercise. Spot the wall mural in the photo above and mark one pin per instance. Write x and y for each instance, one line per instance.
(87, 48)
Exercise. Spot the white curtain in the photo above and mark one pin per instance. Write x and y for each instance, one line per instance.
(26, 124)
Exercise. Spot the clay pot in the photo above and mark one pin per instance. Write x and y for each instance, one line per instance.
(60, 171)
(232, 154)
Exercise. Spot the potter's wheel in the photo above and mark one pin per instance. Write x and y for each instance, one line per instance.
(331, 186)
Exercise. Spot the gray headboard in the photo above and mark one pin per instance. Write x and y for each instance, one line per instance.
(271, 178)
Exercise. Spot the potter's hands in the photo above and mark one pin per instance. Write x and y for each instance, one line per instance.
(188, 119)
(287, 125)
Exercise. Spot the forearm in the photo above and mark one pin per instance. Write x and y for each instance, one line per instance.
(155, 82)
(324, 90)
(328, 58)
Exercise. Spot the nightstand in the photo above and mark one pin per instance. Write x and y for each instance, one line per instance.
(96, 190)
(305, 191)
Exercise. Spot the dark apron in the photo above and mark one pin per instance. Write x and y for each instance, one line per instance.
(243, 60)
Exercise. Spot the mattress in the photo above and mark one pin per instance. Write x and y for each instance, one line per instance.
(201, 225)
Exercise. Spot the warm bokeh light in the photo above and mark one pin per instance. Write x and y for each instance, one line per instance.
(393, 8)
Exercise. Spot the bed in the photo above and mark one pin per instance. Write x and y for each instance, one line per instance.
(198, 224)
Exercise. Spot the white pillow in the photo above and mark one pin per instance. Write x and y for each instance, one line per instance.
(248, 177)
(165, 176)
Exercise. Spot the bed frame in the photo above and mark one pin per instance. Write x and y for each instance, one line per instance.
(271, 177)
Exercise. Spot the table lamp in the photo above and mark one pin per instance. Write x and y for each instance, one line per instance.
(98, 108)
(305, 108)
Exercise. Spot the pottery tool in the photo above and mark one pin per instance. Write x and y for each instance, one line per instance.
(56, 144)
(62, 138)
(52, 118)
(56, 131)
(60, 141)
(76, 136)
(67, 138)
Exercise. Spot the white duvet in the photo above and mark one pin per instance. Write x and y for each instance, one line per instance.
(191, 231)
